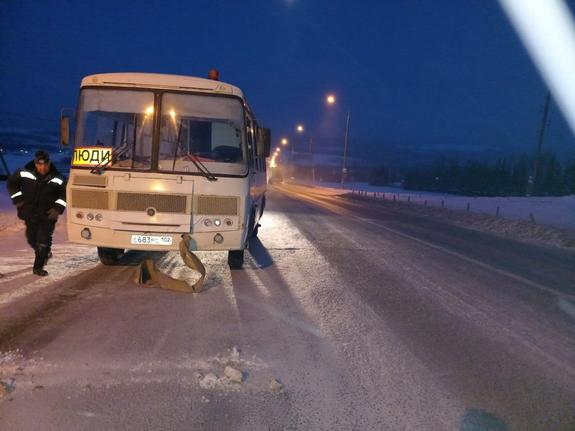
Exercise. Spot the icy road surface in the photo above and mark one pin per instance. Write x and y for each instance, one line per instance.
(347, 315)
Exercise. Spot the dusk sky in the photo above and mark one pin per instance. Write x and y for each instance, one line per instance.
(419, 74)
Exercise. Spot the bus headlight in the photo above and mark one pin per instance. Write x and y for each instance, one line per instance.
(86, 234)
(99, 217)
(207, 222)
(218, 238)
(217, 222)
(89, 216)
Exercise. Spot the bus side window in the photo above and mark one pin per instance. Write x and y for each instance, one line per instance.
(251, 143)
(256, 146)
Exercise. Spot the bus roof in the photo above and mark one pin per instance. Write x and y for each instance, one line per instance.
(157, 80)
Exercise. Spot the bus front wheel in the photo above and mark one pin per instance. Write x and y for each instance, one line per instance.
(110, 256)
(235, 259)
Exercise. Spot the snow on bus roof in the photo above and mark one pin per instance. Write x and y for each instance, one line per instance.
(157, 80)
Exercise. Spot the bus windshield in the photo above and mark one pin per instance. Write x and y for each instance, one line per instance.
(197, 132)
(205, 130)
(120, 121)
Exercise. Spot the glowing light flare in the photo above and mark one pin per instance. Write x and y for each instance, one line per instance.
(284, 141)
(172, 113)
(330, 99)
(547, 31)
(158, 187)
(149, 110)
(300, 128)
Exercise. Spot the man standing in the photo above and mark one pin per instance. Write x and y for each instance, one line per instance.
(39, 193)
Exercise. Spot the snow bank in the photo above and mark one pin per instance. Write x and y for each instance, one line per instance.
(9, 221)
(552, 211)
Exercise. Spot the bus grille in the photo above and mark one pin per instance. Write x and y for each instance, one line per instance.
(216, 205)
(143, 201)
(91, 199)
(90, 180)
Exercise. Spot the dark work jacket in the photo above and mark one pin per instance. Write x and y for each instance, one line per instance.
(38, 193)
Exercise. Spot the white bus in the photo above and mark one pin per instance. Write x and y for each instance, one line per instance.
(156, 156)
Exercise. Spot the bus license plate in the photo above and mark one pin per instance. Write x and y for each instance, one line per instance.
(151, 240)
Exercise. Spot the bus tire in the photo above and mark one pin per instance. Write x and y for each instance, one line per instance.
(263, 207)
(235, 259)
(110, 256)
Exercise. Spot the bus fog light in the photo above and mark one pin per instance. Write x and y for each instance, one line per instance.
(86, 234)
(80, 215)
(228, 222)
(99, 217)
(218, 238)
(217, 222)
(207, 222)
(90, 216)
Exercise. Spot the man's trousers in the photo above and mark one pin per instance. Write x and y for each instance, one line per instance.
(39, 236)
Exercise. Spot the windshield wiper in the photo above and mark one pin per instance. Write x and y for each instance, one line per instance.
(202, 168)
(197, 163)
(99, 168)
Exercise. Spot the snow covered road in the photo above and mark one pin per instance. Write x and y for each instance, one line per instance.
(347, 315)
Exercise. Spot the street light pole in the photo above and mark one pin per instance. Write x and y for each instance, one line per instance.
(345, 143)
(312, 162)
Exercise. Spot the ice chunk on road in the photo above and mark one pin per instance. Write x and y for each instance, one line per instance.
(235, 356)
(276, 385)
(233, 374)
(209, 381)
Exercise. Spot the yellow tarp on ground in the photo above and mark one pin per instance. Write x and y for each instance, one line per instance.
(147, 275)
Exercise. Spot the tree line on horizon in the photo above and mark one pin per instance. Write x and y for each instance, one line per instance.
(478, 178)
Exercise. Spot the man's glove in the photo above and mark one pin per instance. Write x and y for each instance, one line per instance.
(53, 214)
(19, 204)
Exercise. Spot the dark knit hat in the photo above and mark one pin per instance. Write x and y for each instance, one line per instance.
(41, 157)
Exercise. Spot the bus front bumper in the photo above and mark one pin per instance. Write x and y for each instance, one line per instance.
(153, 241)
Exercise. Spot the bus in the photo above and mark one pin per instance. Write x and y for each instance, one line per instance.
(157, 156)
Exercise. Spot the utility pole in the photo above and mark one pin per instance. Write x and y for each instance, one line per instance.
(312, 162)
(537, 161)
(344, 163)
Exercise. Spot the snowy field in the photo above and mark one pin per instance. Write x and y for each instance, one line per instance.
(552, 211)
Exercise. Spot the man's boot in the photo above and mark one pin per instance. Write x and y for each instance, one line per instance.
(40, 260)
(48, 257)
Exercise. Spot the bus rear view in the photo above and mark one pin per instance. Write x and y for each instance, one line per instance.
(158, 156)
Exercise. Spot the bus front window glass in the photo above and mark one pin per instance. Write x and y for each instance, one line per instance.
(119, 120)
(201, 129)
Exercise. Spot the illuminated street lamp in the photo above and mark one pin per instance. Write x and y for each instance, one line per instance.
(284, 141)
(330, 99)
(300, 129)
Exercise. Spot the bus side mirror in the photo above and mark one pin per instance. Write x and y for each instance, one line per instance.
(65, 115)
(266, 140)
(64, 131)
